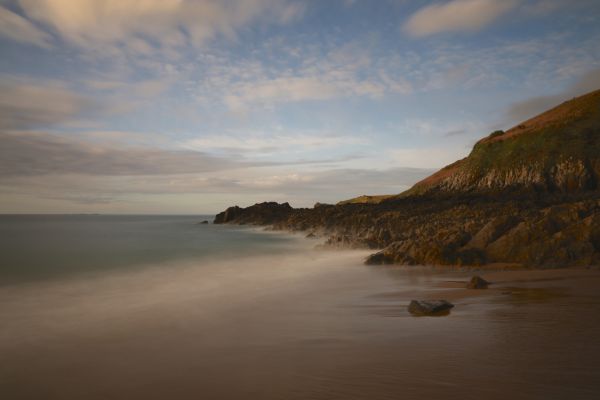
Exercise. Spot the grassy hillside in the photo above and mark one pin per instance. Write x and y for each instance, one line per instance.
(533, 152)
(364, 199)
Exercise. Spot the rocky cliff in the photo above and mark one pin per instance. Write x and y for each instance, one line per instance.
(558, 150)
(527, 196)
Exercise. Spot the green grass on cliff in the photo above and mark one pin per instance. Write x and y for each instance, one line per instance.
(568, 131)
(364, 199)
(546, 146)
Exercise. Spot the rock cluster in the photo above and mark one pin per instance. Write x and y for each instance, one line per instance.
(551, 232)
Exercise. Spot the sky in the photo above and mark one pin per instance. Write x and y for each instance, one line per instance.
(191, 106)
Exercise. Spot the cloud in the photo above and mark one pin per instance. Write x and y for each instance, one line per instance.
(455, 132)
(27, 103)
(271, 143)
(325, 72)
(31, 153)
(525, 109)
(427, 157)
(15, 27)
(456, 16)
(36, 153)
(138, 25)
(207, 192)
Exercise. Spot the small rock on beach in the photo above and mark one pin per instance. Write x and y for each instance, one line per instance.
(477, 282)
(429, 307)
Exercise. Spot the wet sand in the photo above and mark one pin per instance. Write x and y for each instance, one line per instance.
(339, 331)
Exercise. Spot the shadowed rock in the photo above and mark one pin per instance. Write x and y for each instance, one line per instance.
(266, 213)
(429, 307)
(477, 282)
(378, 258)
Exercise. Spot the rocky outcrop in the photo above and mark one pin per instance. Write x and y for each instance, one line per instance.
(429, 307)
(266, 213)
(461, 231)
(527, 196)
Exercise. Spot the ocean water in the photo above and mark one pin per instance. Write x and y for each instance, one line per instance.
(40, 247)
(160, 307)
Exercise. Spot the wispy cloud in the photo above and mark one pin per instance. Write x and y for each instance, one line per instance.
(427, 157)
(15, 27)
(528, 108)
(139, 25)
(28, 103)
(36, 153)
(271, 143)
(456, 16)
(325, 72)
(202, 191)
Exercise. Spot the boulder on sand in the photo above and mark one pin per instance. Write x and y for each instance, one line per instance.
(477, 282)
(429, 307)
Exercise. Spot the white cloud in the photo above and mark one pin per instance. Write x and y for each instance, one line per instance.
(456, 15)
(15, 27)
(270, 143)
(426, 157)
(36, 153)
(130, 23)
(27, 102)
(325, 72)
(528, 108)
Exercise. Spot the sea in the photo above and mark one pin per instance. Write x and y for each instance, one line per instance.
(166, 307)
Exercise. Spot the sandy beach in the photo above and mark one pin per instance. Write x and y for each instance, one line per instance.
(305, 325)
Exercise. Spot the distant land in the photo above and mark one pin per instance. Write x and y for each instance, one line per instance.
(528, 196)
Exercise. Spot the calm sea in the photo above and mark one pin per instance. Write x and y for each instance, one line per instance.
(39, 247)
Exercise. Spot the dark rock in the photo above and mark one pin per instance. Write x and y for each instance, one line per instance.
(311, 235)
(266, 213)
(429, 307)
(477, 282)
(228, 215)
(378, 258)
(204, 222)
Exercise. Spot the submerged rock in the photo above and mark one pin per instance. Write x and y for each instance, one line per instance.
(429, 307)
(477, 282)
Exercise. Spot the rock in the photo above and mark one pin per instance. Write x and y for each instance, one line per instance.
(266, 213)
(429, 307)
(204, 222)
(477, 282)
(378, 258)
(311, 235)
(228, 215)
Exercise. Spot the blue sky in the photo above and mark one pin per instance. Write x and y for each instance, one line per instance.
(183, 106)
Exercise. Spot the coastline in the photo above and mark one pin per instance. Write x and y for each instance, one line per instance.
(187, 329)
(464, 229)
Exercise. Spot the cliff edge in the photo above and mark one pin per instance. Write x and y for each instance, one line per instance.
(528, 196)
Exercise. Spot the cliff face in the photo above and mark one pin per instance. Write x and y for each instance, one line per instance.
(528, 196)
(558, 150)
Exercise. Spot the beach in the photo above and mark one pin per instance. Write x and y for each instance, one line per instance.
(300, 324)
